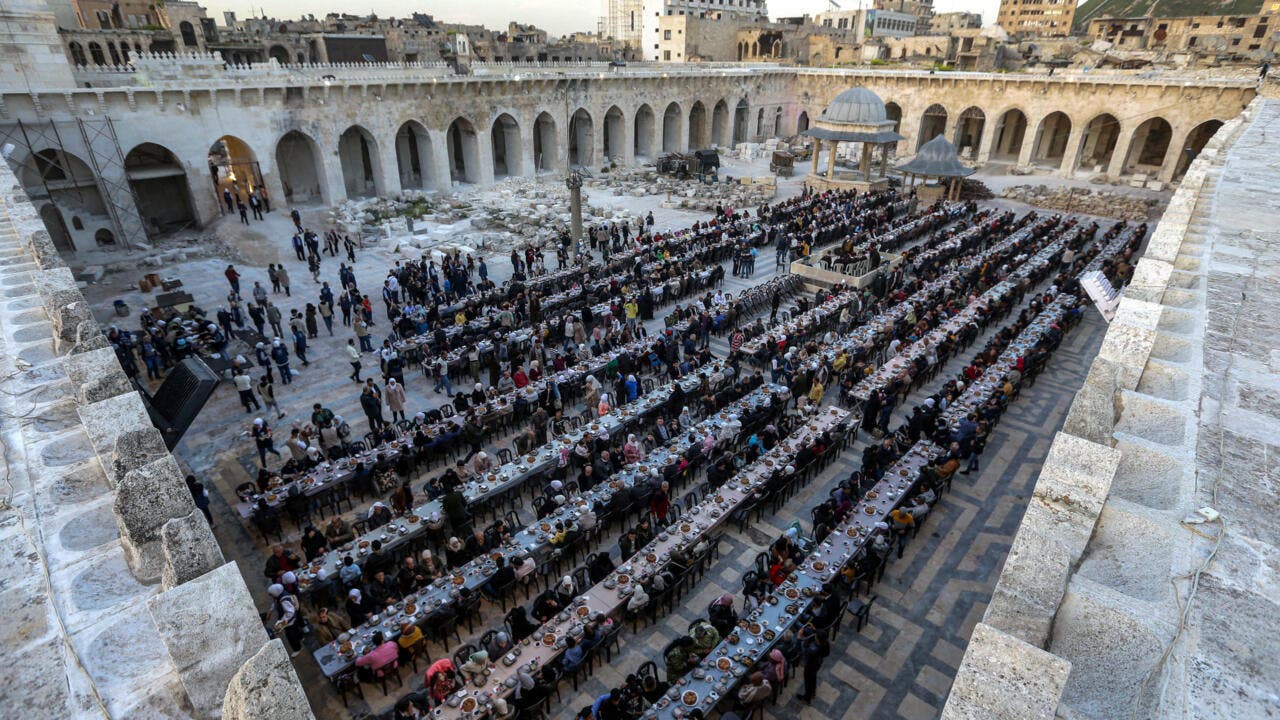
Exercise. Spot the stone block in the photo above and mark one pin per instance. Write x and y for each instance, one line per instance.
(1072, 488)
(149, 497)
(210, 628)
(97, 375)
(1127, 348)
(190, 550)
(1092, 413)
(134, 449)
(266, 688)
(1003, 678)
(1147, 418)
(1164, 381)
(43, 250)
(107, 419)
(57, 288)
(68, 325)
(1032, 582)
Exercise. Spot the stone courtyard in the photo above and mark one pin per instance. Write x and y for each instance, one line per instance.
(1125, 494)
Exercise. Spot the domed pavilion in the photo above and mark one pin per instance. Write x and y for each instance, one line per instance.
(856, 115)
(936, 160)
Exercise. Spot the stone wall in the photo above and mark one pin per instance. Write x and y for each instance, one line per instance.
(184, 601)
(1083, 608)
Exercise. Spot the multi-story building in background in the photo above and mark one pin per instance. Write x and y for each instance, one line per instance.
(948, 23)
(1037, 18)
(665, 38)
(1222, 35)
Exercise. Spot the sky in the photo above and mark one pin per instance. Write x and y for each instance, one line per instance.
(557, 17)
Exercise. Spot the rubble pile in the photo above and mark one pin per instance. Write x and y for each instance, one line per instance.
(689, 194)
(1083, 200)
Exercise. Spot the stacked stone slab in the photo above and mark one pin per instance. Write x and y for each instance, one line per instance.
(1082, 610)
(105, 508)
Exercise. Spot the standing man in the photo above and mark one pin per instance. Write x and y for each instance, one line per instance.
(353, 354)
(244, 385)
(280, 354)
(297, 220)
(814, 649)
(233, 278)
(256, 205)
(273, 317)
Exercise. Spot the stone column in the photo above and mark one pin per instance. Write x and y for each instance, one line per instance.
(387, 168)
(333, 188)
(1029, 140)
(817, 148)
(484, 156)
(831, 159)
(597, 141)
(1171, 157)
(1120, 154)
(574, 183)
(864, 165)
(1071, 155)
(628, 139)
(884, 160)
(528, 164)
(987, 142)
(441, 173)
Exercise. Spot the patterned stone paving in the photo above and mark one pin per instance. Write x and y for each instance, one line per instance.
(902, 663)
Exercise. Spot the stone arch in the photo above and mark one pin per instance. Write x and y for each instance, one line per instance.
(508, 150)
(582, 135)
(615, 133)
(233, 166)
(755, 48)
(188, 33)
(893, 111)
(57, 227)
(741, 113)
(77, 54)
(642, 142)
(1099, 142)
(115, 54)
(415, 158)
(1051, 139)
(95, 53)
(932, 124)
(777, 121)
(1195, 142)
(697, 125)
(1148, 146)
(124, 53)
(104, 237)
(969, 127)
(360, 161)
(545, 149)
(159, 183)
(300, 166)
(279, 53)
(672, 122)
(720, 130)
(464, 151)
(1011, 130)
(760, 122)
(802, 121)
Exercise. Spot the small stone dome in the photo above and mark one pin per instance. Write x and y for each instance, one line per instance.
(855, 106)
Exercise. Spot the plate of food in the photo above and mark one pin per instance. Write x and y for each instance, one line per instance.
(819, 565)
(364, 544)
(689, 698)
(852, 532)
(459, 580)
(469, 704)
(792, 594)
(583, 611)
(623, 579)
(872, 494)
(903, 473)
(769, 635)
(723, 664)
(651, 557)
(869, 510)
(754, 628)
(549, 639)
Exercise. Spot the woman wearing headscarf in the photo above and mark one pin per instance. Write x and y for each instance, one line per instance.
(394, 395)
(500, 645)
(603, 407)
(357, 607)
(722, 615)
(475, 664)
(633, 388)
(686, 418)
(631, 452)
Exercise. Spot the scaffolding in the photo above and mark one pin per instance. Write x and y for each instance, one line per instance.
(100, 151)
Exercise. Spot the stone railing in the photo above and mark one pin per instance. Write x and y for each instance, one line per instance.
(1117, 78)
(1127, 424)
(201, 611)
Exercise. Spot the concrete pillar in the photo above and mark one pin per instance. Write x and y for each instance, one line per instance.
(441, 175)
(1121, 153)
(1071, 155)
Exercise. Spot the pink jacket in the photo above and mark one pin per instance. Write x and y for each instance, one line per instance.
(380, 657)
